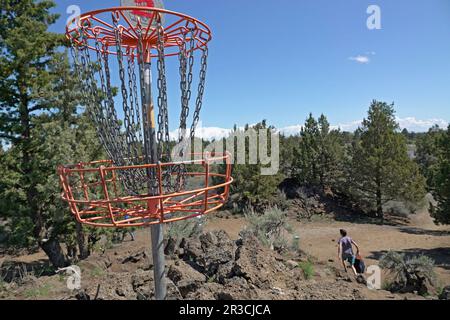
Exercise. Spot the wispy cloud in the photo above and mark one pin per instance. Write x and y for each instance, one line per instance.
(362, 59)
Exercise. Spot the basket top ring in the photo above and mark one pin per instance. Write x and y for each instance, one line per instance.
(97, 29)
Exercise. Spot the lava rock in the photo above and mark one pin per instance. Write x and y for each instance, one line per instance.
(207, 253)
(183, 271)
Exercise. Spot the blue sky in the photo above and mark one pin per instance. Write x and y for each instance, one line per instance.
(280, 60)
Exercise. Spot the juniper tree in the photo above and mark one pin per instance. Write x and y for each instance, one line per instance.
(380, 169)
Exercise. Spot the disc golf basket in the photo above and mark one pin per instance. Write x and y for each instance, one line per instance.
(124, 50)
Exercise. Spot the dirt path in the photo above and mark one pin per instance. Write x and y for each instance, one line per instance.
(419, 236)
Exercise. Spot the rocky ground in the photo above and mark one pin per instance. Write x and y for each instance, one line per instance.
(212, 266)
(225, 263)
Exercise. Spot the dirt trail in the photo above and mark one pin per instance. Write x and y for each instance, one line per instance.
(319, 238)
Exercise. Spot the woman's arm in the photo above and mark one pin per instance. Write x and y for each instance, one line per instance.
(356, 245)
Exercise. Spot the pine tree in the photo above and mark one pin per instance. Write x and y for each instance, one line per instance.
(319, 155)
(38, 101)
(251, 188)
(307, 155)
(427, 154)
(381, 170)
(441, 187)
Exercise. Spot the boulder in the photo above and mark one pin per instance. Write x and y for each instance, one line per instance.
(135, 258)
(224, 272)
(207, 253)
(183, 271)
(82, 295)
(206, 292)
(291, 264)
(170, 247)
(173, 292)
(187, 286)
(142, 283)
(256, 264)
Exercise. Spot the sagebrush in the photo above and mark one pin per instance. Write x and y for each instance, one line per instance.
(270, 228)
(409, 273)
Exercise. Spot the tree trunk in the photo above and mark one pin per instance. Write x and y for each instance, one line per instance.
(379, 193)
(51, 246)
(55, 254)
(81, 239)
(379, 204)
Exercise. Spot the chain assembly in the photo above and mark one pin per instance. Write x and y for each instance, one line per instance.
(128, 133)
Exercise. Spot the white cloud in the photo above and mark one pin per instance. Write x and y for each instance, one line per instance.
(207, 133)
(413, 124)
(291, 130)
(360, 59)
(410, 123)
(349, 126)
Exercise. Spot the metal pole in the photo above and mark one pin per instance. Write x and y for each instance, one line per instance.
(157, 232)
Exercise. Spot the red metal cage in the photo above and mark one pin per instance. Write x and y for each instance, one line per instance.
(95, 198)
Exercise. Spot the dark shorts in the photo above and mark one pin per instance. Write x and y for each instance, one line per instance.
(349, 258)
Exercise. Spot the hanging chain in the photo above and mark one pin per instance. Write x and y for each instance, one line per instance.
(135, 177)
(201, 90)
(134, 102)
(96, 100)
(186, 58)
(163, 115)
(84, 75)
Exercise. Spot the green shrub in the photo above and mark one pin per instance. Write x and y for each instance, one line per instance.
(269, 227)
(386, 285)
(97, 272)
(40, 292)
(185, 228)
(307, 268)
(282, 200)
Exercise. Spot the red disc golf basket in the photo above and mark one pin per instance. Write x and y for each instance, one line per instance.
(141, 183)
(119, 55)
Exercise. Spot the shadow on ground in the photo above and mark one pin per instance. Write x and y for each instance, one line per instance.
(358, 218)
(419, 231)
(441, 256)
(15, 271)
